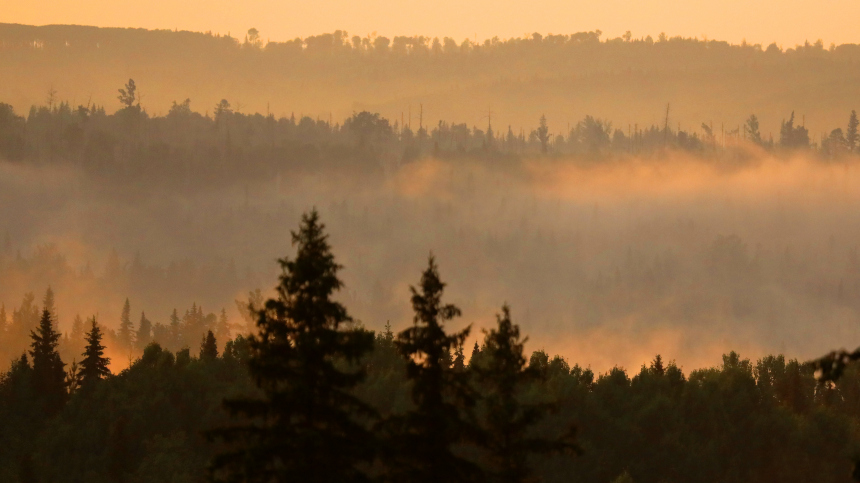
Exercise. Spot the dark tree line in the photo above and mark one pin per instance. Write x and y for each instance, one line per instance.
(314, 396)
(187, 148)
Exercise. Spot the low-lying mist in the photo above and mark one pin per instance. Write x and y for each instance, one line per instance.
(606, 263)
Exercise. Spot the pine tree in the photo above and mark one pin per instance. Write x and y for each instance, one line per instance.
(851, 137)
(73, 377)
(421, 441)
(175, 331)
(222, 330)
(50, 305)
(459, 359)
(125, 334)
(501, 375)
(144, 333)
(48, 369)
(476, 354)
(209, 347)
(94, 366)
(308, 429)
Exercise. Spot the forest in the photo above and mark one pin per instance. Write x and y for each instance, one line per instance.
(313, 395)
(214, 258)
(625, 80)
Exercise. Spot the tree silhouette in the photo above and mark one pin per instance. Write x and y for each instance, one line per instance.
(422, 440)
(127, 96)
(502, 376)
(209, 347)
(94, 366)
(125, 334)
(48, 370)
(305, 427)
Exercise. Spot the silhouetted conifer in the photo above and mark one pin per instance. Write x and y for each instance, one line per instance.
(508, 422)
(209, 347)
(125, 334)
(48, 370)
(94, 366)
(305, 427)
(422, 441)
(144, 333)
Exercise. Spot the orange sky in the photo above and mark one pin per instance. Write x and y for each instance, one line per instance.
(788, 22)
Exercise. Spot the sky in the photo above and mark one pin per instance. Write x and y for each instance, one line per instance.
(786, 22)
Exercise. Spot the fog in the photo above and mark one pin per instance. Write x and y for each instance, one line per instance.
(604, 263)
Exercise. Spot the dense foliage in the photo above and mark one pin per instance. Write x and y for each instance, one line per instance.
(737, 422)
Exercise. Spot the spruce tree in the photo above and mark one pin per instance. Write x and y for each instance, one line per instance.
(175, 331)
(501, 376)
(94, 366)
(209, 347)
(50, 305)
(48, 369)
(422, 441)
(305, 427)
(144, 333)
(125, 334)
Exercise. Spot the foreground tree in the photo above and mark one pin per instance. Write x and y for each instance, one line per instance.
(306, 425)
(422, 441)
(49, 375)
(509, 423)
(94, 366)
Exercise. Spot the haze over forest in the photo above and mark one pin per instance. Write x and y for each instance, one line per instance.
(352, 258)
(632, 230)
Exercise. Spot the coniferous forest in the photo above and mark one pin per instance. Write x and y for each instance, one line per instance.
(386, 287)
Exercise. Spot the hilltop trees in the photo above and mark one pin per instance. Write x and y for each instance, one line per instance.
(305, 425)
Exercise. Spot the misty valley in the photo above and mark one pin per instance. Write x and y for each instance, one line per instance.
(193, 291)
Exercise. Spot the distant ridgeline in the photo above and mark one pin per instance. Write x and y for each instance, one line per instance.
(625, 80)
(227, 144)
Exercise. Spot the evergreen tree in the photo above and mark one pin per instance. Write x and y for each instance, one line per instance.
(144, 333)
(50, 305)
(175, 331)
(125, 334)
(48, 369)
(305, 426)
(94, 366)
(209, 347)
(222, 330)
(476, 354)
(459, 359)
(507, 421)
(851, 138)
(422, 440)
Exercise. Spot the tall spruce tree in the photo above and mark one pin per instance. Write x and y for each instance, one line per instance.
(49, 373)
(209, 347)
(125, 334)
(501, 376)
(94, 366)
(306, 425)
(422, 441)
(144, 333)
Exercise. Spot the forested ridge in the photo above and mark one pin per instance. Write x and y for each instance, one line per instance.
(186, 147)
(625, 80)
(164, 419)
